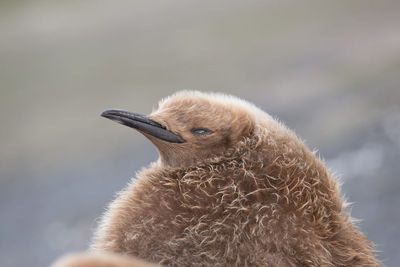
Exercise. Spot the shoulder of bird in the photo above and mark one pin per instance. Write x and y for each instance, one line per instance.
(232, 187)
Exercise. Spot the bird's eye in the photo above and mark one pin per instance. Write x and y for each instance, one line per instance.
(200, 131)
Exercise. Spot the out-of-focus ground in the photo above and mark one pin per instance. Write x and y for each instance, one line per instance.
(329, 69)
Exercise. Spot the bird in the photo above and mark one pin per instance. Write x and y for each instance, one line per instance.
(100, 260)
(232, 186)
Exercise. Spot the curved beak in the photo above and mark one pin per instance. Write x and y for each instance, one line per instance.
(143, 124)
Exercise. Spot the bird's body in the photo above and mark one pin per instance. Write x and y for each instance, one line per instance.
(241, 191)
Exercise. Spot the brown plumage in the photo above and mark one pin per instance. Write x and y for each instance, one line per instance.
(241, 191)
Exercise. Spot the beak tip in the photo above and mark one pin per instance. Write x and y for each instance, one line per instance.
(105, 113)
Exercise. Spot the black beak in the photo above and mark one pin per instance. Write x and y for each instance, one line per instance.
(142, 124)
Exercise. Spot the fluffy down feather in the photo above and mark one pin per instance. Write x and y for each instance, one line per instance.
(250, 195)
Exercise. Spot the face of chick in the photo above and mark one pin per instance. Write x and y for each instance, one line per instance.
(208, 124)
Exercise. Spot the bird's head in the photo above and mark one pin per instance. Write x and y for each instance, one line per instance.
(190, 126)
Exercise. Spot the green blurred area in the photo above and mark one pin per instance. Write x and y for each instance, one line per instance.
(330, 70)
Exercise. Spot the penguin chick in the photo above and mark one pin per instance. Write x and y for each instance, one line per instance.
(232, 187)
(99, 260)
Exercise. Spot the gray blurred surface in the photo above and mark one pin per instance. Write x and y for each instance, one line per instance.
(329, 70)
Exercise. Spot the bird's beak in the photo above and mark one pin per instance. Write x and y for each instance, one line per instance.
(142, 124)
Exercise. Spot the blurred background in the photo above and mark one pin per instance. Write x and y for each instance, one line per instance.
(329, 69)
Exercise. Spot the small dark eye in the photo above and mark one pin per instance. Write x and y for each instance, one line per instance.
(200, 131)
